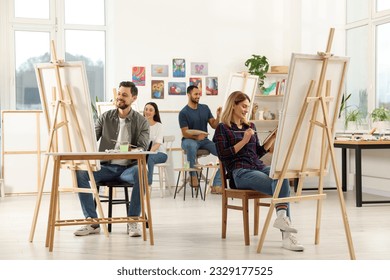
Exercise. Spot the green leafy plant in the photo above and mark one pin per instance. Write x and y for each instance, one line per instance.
(258, 65)
(343, 105)
(353, 116)
(380, 114)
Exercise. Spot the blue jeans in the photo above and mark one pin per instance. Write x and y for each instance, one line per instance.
(152, 160)
(260, 181)
(191, 147)
(109, 172)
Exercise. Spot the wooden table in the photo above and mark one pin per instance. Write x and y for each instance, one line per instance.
(146, 215)
(358, 146)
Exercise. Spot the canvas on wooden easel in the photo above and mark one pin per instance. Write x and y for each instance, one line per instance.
(66, 103)
(305, 136)
(74, 93)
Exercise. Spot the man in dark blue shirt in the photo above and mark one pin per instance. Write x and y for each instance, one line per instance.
(195, 116)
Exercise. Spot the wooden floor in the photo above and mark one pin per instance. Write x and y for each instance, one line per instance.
(191, 230)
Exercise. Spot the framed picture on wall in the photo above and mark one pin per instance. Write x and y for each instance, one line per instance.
(199, 68)
(138, 75)
(177, 88)
(197, 82)
(159, 70)
(157, 89)
(211, 85)
(179, 67)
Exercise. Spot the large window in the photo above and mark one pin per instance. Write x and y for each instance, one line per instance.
(368, 33)
(357, 82)
(78, 33)
(383, 65)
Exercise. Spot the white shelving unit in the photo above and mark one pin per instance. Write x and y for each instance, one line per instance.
(269, 104)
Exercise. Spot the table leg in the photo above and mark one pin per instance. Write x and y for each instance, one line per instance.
(358, 166)
(344, 169)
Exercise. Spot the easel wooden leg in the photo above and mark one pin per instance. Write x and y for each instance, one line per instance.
(53, 205)
(38, 201)
(97, 198)
(265, 227)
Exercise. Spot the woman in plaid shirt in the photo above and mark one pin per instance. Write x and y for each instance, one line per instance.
(239, 150)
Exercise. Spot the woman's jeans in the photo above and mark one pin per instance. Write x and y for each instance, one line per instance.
(152, 160)
(109, 172)
(254, 179)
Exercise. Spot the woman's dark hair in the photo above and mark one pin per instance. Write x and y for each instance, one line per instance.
(156, 116)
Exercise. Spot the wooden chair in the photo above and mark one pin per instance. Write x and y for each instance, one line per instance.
(245, 196)
(163, 167)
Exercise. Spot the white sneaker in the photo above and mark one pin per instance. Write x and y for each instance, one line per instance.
(290, 242)
(133, 230)
(284, 224)
(86, 230)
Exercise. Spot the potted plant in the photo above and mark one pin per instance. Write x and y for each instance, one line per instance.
(353, 118)
(380, 116)
(258, 65)
(343, 105)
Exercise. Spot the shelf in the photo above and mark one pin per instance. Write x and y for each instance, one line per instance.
(276, 73)
(269, 96)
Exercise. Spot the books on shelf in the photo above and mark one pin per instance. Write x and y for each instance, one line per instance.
(275, 88)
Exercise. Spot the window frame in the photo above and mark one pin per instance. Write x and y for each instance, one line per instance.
(56, 28)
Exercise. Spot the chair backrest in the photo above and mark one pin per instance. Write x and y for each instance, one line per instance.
(168, 142)
(224, 180)
(223, 175)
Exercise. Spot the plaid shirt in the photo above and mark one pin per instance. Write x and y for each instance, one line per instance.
(248, 157)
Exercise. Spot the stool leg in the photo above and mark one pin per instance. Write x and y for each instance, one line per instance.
(177, 184)
(185, 184)
(205, 184)
(109, 206)
(126, 190)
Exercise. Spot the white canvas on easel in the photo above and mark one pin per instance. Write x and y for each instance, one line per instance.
(305, 136)
(66, 104)
(242, 82)
(75, 90)
(303, 69)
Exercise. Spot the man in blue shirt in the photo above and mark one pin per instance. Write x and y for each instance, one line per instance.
(197, 116)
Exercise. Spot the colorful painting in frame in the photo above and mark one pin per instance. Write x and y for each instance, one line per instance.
(177, 88)
(197, 82)
(199, 68)
(157, 89)
(211, 86)
(138, 75)
(179, 67)
(159, 70)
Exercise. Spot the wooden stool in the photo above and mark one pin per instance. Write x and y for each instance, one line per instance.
(187, 170)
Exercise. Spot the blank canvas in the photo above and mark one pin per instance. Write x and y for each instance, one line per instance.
(303, 69)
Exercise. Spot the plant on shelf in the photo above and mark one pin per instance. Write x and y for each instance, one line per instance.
(343, 105)
(355, 116)
(380, 114)
(258, 65)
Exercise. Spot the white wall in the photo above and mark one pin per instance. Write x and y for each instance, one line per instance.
(223, 33)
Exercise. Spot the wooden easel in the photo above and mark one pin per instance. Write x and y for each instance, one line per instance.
(321, 102)
(62, 99)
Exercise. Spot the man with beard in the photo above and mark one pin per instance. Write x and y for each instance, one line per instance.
(112, 127)
(197, 116)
